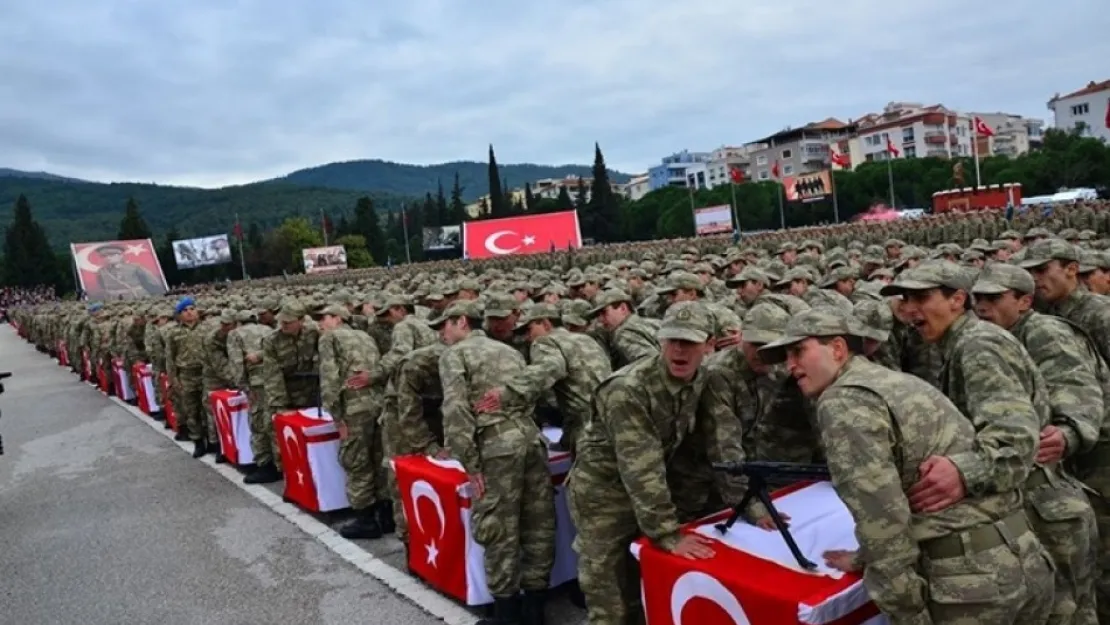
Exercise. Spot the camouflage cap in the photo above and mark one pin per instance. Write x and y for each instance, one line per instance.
(459, 308)
(229, 316)
(998, 278)
(687, 321)
(607, 298)
(795, 273)
(291, 310)
(335, 310)
(843, 272)
(764, 322)
(1042, 252)
(467, 284)
(1089, 260)
(930, 274)
(748, 273)
(271, 303)
(576, 312)
(391, 301)
(537, 312)
(725, 321)
(1011, 235)
(876, 318)
(244, 316)
(1037, 232)
(500, 305)
(681, 280)
(818, 322)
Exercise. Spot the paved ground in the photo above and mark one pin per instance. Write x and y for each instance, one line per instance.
(104, 519)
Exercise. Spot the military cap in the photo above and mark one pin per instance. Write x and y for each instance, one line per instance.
(468, 284)
(109, 248)
(820, 322)
(1069, 234)
(795, 273)
(229, 316)
(1047, 250)
(725, 321)
(243, 316)
(271, 303)
(607, 298)
(1037, 232)
(681, 280)
(1013, 235)
(876, 318)
(894, 243)
(812, 243)
(1087, 235)
(341, 297)
(764, 322)
(788, 246)
(575, 312)
(537, 312)
(394, 300)
(500, 305)
(291, 310)
(930, 274)
(748, 273)
(998, 278)
(182, 304)
(687, 321)
(575, 280)
(335, 310)
(844, 272)
(459, 308)
(1089, 260)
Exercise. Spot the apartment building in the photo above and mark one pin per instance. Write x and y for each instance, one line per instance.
(638, 187)
(549, 188)
(1087, 109)
(913, 130)
(1014, 135)
(796, 150)
(672, 170)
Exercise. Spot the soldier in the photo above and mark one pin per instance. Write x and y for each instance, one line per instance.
(216, 373)
(344, 352)
(184, 365)
(645, 415)
(632, 338)
(973, 562)
(244, 352)
(572, 365)
(290, 368)
(513, 509)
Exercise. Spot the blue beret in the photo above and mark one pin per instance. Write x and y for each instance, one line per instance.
(95, 307)
(182, 304)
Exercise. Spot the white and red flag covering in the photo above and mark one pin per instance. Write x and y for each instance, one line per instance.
(103, 378)
(309, 444)
(121, 379)
(442, 552)
(167, 401)
(63, 355)
(143, 374)
(86, 366)
(231, 411)
(753, 579)
(527, 234)
(113, 270)
(981, 128)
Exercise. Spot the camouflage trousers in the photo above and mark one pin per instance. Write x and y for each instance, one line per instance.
(608, 574)
(264, 444)
(515, 519)
(356, 456)
(1094, 470)
(1011, 583)
(188, 404)
(389, 436)
(156, 375)
(1066, 525)
(210, 419)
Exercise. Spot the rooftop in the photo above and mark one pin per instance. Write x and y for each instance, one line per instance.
(1092, 87)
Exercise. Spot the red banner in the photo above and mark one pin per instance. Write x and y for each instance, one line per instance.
(529, 234)
(118, 269)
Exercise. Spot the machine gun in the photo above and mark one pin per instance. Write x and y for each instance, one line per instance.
(758, 473)
(4, 375)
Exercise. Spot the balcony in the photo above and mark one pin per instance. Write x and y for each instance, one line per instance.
(935, 137)
(937, 153)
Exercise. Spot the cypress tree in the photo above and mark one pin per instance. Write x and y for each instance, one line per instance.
(604, 204)
(564, 202)
(458, 207)
(132, 226)
(529, 199)
(443, 211)
(497, 206)
(369, 226)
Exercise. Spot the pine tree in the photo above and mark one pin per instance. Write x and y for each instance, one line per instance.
(497, 205)
(429, 212)
(563, 202)
(510, 198)
(28, 259)
(581, 195)
(368, 225)
(529, 199)
(458, 207)
(254, 236)
(443, 211)
(604, 206)
(132, 226)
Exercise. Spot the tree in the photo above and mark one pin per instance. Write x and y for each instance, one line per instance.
(295, 234)
(358, 256)
(28, 259)
(497, 204)
(581, 195)
(529, 199)
(166, 257)
(603, 218)
(564, 202)
(133, 226)
(458, 207)
(368, 225)
(443, 210)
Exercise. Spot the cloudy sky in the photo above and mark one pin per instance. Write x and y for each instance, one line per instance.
(216, 92)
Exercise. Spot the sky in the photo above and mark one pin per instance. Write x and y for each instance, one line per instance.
(210, 93)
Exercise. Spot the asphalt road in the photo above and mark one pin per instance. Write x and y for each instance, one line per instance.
(103, 519)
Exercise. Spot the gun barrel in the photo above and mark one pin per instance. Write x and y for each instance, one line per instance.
(811, 471)
(5, 374)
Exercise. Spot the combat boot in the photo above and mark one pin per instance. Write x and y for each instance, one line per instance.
(182, 434)
(532, 606)
(263, 474)
(384, 511)
(363, 527)
(506, 611)
(200, 448)
(221, 459)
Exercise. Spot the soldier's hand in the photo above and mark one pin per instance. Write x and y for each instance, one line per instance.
(1052, 446)
(727, 341)
(359, 380)
(765, 522)
(442, 454)
(344, 431)
(490, 402)
(694, 547)
(253, 359)
(842, 560)
(477, 485)
(939, 486)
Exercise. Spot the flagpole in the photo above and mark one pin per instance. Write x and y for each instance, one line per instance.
(735, 212)
(779, 190)
(405, 229)
(836, 201)
(975, 152)
(890, 177)
(239, 235)
(324, 226)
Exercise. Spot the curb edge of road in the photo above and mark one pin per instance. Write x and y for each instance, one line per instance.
(400, 582)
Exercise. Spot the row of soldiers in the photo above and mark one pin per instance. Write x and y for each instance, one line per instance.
(466, 366)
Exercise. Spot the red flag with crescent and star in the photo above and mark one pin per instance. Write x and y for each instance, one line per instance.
(115, 270)
(527, 234)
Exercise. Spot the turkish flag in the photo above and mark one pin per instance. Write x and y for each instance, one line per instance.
(103, 381)
(775, 169)
(736, 174)
(143, 374)
(841, 160)
(528, 234)
(167, 401)
(231, 412)
(1108, 113)
(121, 378)
(86, 366)
(981, 128)
(63, 354)
(309, 442)
(753, 579)
(891, 149)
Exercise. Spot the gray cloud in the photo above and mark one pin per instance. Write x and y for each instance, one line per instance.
(213, 92)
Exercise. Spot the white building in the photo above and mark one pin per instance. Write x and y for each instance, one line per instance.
(1087, 109)
(1014, 135)
(638, 187)
(913, 130)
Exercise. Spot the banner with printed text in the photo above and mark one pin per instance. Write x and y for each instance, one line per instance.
(324, 259)
(113, 270)
(713, 220)
(202, 251)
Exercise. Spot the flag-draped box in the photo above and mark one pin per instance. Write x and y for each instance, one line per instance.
(753, 578)
(231, 412)
(103, 379)
(63, 353)
(309, 442)
(436, 499)
(167, 401)
(86, 366)
(121, 380)
(143, 375)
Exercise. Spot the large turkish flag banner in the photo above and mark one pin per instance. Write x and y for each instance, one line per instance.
(752, 579)
(529, 234)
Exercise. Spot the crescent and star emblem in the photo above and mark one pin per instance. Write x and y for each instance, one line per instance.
(293, 451)
(81, 256)
(422, 489)
(698, 584)
(493, 245)
(224, 419)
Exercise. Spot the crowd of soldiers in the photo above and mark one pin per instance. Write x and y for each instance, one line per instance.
(950, 371)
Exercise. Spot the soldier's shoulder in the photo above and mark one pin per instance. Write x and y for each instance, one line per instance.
(631, 377)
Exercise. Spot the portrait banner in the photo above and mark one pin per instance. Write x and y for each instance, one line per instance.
(114, 270)
(324, 259)
(202, 251)
(443, 238)
(713, 220)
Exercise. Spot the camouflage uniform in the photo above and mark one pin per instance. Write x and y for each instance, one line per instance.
(289, 364)
(974, 562)
(185, 364)
(633, 339)
(244, 342)
(419, 422)
(216, 372)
